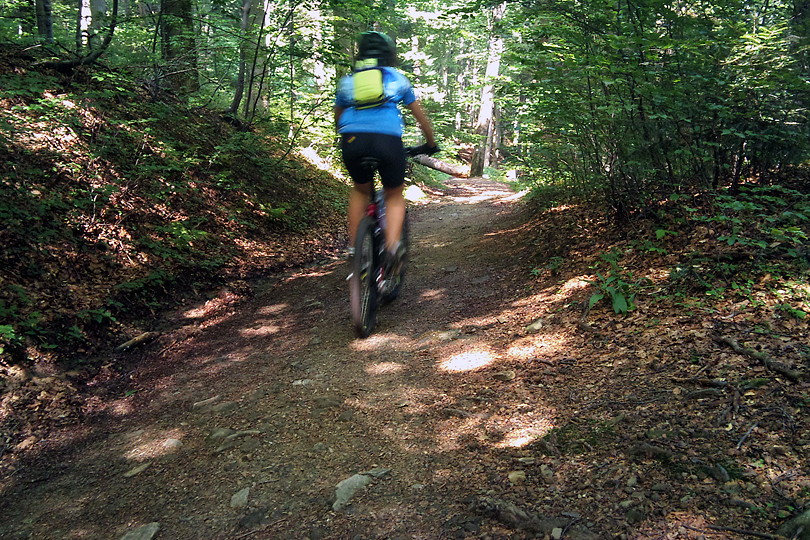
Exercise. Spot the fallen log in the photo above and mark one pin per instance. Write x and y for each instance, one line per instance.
(441, 166)
(137, 340)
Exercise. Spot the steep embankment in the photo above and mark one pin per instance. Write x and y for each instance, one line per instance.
(115, 205)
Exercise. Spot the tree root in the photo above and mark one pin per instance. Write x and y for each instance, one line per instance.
(733, 530)
(516, 518)
(762, 357)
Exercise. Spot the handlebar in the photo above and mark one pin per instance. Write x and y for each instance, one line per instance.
(422, 149)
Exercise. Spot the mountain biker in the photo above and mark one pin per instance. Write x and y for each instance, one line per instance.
(372, 127)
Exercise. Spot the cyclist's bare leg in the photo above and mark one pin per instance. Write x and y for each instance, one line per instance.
(395, 214)
(358, 202)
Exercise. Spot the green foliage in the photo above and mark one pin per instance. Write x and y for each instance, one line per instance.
(751, 384)
(99, 316)
(616, 285)
(600, 101)
(30, 85)
(654, 246)
(760, 232)
(8, 336)
(630, 103)
(792, 311)
(576, 438)
(764, 217)
(545, 194)
(427, 177)
(554, 264)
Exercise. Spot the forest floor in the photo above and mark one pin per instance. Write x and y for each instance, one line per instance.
(488, 404)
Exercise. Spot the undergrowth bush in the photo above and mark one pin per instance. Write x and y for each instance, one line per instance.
(112, 205)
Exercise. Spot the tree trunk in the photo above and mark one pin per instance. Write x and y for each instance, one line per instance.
(291, 38)
(256, 66)
(477, 162)
(322, 72)
(98, 20)
(179, 50)
(45, 20)
(239, 91)
(800, 27)
(79, 35)
(344, 29)
(94, 55)
(486, 112)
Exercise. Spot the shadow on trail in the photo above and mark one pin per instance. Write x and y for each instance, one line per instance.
(478, 388)
(286, 368)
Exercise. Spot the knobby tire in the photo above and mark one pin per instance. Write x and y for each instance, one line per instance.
(392, 295)
(363, 282)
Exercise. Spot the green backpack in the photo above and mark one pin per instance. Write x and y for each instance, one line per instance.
(369, 90)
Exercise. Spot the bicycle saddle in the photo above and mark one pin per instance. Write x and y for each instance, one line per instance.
(370, 163)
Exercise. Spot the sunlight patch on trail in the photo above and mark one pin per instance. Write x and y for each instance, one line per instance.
(482, 197)
(517, 196)
(414, 193)
(537, 345)
(503, 232)
(451, 434)
(150, 446)
(523, 351)
(200, 312)
(575, 284)
(433, 294)
(272, 309)
(427, 242)
(556, 293)
(119, 407)
(384, 368)
(467, 361)
(312, 273)
(312, 156)
(535, 429)
(518, 431)
(261, 331)
(380, 341)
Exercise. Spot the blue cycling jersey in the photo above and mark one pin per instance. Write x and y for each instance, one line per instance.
(385, 118)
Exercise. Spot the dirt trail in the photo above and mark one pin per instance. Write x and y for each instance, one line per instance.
(274, 394)
(482, 406)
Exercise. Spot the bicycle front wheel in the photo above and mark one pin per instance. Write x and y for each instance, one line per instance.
(363, 281)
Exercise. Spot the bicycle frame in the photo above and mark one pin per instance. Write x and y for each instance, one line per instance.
(376, 211)
(369, 270)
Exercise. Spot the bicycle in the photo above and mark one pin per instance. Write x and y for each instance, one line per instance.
(369, 285)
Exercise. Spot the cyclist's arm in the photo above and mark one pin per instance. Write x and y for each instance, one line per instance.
(424, 123)
(338, 114)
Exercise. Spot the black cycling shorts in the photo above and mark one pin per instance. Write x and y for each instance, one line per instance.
(387, 149)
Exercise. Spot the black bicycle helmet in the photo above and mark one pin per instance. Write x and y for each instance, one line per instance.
(377, 45)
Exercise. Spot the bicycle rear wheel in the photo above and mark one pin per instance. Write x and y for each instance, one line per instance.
(363, 281)
(396, 287)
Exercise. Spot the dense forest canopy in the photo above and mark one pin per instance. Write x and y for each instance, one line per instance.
(631, 100)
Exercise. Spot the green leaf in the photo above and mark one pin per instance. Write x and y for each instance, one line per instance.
(7, 332)
(595, 298)
(619, 302)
